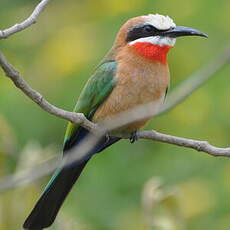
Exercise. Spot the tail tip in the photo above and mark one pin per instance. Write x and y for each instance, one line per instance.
(26, 226)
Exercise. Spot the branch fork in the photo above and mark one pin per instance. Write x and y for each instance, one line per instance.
(179, 94)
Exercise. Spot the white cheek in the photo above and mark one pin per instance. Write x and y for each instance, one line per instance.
(156, 40)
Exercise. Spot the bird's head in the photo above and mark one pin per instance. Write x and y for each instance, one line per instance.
(152, 36)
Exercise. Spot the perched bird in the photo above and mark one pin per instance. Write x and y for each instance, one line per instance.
(134, 72)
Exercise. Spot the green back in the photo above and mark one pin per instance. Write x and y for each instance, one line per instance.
(96, 90)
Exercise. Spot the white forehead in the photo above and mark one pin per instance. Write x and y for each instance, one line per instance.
(159, 21)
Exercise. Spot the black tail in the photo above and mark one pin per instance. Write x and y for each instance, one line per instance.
(47, 207)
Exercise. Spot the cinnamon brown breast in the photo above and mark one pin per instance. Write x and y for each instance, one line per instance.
(138, 81)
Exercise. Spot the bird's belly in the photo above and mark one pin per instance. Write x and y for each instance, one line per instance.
(127, 97)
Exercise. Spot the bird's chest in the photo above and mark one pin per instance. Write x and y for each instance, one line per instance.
(138, 87)
(135, 85)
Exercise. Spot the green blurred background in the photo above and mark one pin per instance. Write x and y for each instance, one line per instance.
(56, 56)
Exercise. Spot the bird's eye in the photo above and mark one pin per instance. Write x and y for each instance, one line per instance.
(148, 28)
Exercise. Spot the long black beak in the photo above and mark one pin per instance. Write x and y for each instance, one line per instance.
(183, 31)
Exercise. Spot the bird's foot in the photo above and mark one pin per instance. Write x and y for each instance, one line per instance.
(107, 138)
(133, 137)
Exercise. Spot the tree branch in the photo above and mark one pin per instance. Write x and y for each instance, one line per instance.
(179, 94)
(110, 124)
(27, 176)
(203, 146)
(196, 80)
(35, 96)
(26, 23)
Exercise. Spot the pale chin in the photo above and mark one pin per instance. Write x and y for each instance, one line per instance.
(156, 40)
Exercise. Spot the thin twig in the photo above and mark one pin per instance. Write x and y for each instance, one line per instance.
(26, 23)
(77, 118)
(198, 145)
(138, 113)
(179, 94)
(196, 80)
(27, 176)
(35, 96)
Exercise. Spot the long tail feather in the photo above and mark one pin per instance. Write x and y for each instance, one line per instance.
(47, 207)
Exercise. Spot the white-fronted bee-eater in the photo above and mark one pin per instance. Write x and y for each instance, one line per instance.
(133, 73)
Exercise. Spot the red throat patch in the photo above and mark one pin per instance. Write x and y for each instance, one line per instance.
(152, 51)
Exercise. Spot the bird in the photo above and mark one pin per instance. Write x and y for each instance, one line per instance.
(134, 72)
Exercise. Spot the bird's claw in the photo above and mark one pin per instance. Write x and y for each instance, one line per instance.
(133, 137)
(107, 137)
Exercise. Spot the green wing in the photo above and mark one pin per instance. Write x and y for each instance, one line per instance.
(98, 87)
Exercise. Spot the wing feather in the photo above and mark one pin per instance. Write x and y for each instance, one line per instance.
(96, 90)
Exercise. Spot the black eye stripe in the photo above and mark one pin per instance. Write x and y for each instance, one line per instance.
(139, 32)
(142, 31)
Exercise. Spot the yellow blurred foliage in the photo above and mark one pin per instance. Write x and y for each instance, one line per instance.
(104, 8)
(13, 208)
(70, 48)
(130, 221)
(66, 222)
(7, 137)
(120, 6)
(196, 198)
(160, 206)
